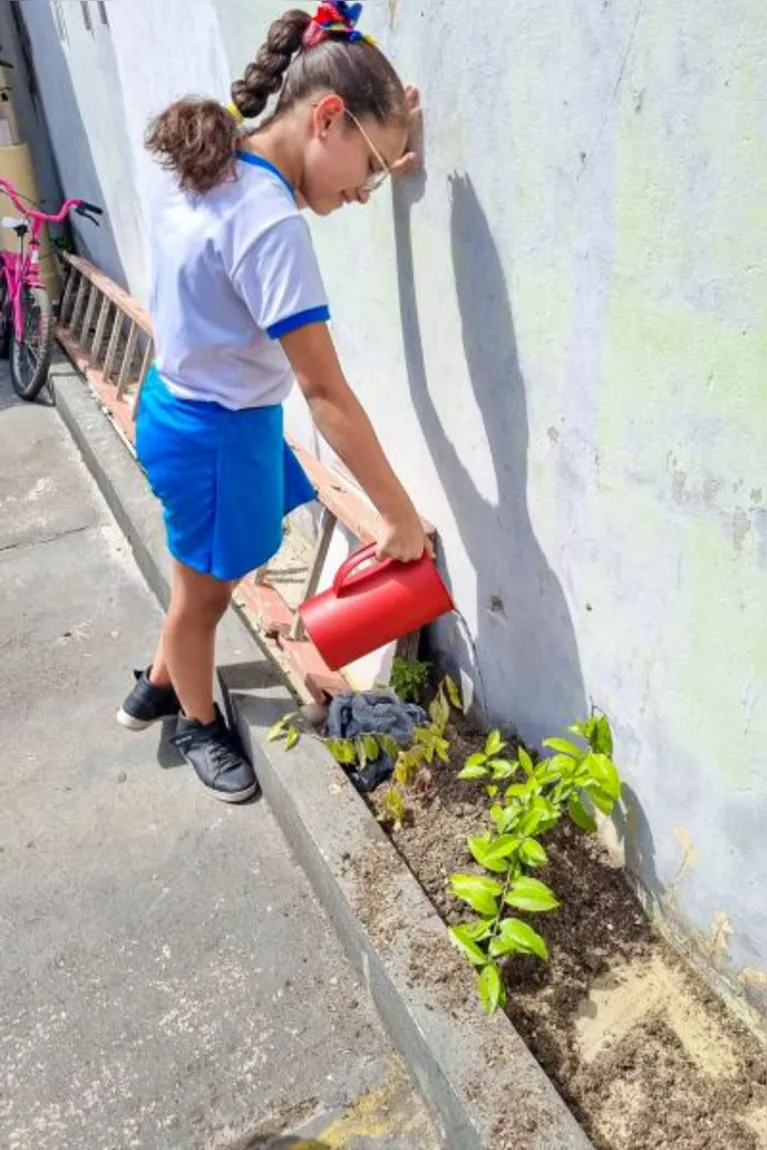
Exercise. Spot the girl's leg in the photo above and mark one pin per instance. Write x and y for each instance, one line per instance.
(186, 654)
(159, 675)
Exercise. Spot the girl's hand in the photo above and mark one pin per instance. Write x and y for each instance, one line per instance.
(411, 161)
(404, 539)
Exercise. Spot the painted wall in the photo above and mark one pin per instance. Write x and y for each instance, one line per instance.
(560, 330)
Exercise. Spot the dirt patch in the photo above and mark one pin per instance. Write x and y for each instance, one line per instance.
(643, 1053)
(376, 898)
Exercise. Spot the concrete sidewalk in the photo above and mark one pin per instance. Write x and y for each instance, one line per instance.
(167, 981)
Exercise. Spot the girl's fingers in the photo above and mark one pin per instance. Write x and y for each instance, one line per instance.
(408, 163)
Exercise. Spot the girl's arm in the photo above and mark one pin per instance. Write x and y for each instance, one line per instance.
(342, 422)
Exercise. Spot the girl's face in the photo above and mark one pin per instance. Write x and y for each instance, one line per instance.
(345, 158)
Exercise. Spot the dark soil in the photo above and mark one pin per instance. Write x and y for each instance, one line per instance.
(642, 1090)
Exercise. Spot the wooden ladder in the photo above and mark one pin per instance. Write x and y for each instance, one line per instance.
(108, 336)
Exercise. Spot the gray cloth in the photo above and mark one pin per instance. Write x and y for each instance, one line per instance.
(373, 713)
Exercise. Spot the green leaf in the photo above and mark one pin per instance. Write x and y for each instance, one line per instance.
(539, 819)
(442, 747)
(580, 815)
(492, 790)
(532, 853)
(394, 806)
(557, 767)
(453, 694)
(372, 749)
(277, 731)
(494, 744)
(565, 746)
(407, 766)
(603, 769)
(532, 822)
(490, 988)
(526, 762)
(580, 728)
(493, 854)
(460, 937)
(517, 937)
(530, 894)
(602, 737)
(473, 772)
(292, 739)
(496, 814)
(389, 746)
(601, 801)
(479, 930)
(504, 817)
(439, 712)
(342, 751)
(502, 768)
(476, 760)
(480, 893)
(517, 790)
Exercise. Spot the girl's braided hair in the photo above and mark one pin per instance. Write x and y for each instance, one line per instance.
(197, 139)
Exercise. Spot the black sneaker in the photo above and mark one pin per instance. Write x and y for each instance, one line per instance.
(219, 764)
(147, 704)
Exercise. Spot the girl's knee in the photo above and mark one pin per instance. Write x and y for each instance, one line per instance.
(199, 596)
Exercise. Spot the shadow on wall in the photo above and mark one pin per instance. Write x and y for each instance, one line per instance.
(525, 638)
(56, 102)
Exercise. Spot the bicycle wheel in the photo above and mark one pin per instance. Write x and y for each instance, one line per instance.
(31, 355)
(5, 319)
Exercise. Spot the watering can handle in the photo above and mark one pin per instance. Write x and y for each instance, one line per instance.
(353, 562)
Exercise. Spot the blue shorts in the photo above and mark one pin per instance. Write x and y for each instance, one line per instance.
(226, 479)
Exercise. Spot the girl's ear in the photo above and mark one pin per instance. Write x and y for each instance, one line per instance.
(326, 113)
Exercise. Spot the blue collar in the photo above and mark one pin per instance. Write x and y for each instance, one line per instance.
(260, 162)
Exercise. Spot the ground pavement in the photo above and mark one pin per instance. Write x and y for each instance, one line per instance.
(167, 981)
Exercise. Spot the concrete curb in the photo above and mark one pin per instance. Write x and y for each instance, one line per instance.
(484, 1087)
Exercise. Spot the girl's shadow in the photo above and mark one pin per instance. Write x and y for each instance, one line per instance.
(525, 638)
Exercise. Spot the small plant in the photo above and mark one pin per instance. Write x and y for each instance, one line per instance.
(409, 679)
(530, 807)
(429, 743)
(285, 729)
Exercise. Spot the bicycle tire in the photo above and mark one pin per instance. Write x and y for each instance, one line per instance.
(38, 314)
(6, 322)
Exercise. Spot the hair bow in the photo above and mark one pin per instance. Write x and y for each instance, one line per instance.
(335, 20)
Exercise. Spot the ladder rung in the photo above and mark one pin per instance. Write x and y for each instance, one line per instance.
(93, 296)
(82, 288)
(101, 324)
(114, 339)
(127, 363)
(146, 363)
(320, 554)
(69, 291)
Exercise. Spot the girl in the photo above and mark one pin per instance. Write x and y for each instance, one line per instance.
(239, 310)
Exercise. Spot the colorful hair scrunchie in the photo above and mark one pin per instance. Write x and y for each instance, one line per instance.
(335, 20)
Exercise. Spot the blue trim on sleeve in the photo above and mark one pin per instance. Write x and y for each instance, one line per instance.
(300, 319)
(260, 162)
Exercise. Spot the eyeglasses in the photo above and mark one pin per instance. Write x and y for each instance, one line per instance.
(375, 179)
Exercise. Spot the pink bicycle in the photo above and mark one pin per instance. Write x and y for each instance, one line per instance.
(26, 315)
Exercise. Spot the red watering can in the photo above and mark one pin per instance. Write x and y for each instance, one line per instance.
(364, 611)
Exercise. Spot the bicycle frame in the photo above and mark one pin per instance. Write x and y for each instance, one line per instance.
(22, 269)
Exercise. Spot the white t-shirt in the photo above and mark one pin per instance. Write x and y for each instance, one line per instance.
(234, 270)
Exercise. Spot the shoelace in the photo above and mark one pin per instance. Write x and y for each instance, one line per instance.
(224, 754)
(222, 751)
